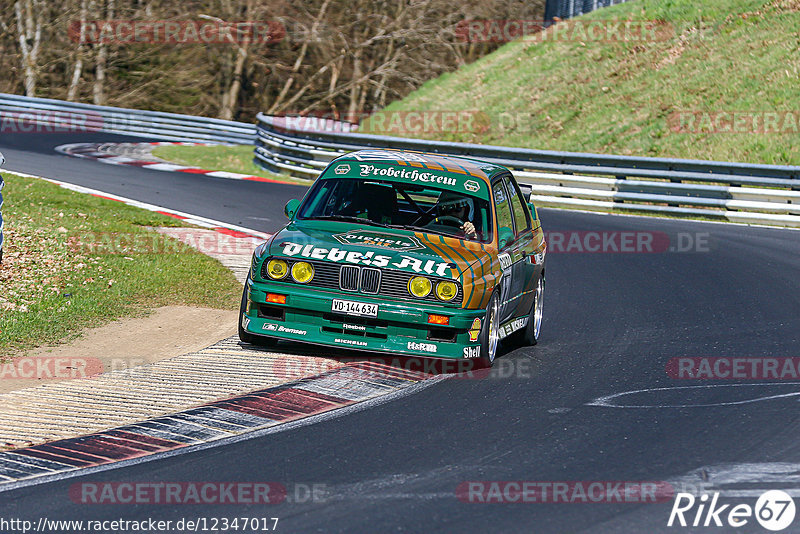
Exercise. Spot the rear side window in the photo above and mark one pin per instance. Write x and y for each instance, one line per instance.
(522, 216)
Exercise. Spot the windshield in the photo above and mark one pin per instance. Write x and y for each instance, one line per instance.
(399, 205)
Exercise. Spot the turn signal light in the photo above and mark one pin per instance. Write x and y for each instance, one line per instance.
(442, 320)
(276, 299)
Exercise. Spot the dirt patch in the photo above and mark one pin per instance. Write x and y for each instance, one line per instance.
(167, 332)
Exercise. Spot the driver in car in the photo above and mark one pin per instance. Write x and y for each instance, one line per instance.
(459, 207)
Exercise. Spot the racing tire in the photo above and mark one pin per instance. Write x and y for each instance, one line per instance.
(490, 333)
(529, 336)
(244, 335)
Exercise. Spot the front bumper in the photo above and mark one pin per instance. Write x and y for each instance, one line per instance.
(401, 327)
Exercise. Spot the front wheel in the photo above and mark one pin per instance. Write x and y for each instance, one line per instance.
(490, 334)
(530, 335)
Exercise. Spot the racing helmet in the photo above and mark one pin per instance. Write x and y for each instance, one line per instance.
(449, 202)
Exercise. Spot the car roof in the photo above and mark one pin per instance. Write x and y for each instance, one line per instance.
(455, 165)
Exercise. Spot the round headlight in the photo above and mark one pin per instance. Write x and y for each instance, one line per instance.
(446, 291)
(302, 272)
(277, 269)
(419, 287)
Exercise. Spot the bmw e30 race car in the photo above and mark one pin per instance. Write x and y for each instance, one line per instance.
(405, 253)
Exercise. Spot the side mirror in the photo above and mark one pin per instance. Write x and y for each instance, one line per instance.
(534, 215)
(505, 237)
(291, 208)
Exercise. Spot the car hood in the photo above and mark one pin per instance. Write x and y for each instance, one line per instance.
(346, 243)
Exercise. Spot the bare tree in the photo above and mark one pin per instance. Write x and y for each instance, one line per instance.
(29, 31)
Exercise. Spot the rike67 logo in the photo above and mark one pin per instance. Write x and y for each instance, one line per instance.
(774, 510)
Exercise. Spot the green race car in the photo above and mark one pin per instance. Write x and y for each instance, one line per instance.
(405, 253)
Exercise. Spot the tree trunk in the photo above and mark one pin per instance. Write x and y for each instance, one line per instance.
(78, 70)
(29, 31)
(99, 94)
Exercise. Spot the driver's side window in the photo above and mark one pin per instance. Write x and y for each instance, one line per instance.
(505, 220)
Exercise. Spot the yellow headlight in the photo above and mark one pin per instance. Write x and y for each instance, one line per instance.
(277, 269)
(419, 287)
(446, 291)
(302, 272)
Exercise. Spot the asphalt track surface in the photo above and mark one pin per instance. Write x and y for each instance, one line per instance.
(612, 322)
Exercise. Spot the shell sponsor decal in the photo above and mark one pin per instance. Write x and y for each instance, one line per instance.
(369, 258)
(475, 329)
(375, 238)
(471, 352)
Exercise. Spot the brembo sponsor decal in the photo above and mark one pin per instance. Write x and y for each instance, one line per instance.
(280, 328)
(365, 258)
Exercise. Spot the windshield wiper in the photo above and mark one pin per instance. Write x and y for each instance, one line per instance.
(349, 218)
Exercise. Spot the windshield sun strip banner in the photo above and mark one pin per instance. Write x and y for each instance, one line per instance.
(452, 180)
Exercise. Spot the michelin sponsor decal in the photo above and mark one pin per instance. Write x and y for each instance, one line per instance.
(471, 352)
(422, 347)
(366, 258)
(280, 328)
(408, 174)
(351, 342)
(512, 326)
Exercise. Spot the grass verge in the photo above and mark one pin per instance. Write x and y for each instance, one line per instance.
(56, 280)
(628, 96)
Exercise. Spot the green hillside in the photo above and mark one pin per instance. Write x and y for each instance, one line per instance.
(629, 97)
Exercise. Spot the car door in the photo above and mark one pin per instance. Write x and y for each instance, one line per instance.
(507, 253)
(524, 270)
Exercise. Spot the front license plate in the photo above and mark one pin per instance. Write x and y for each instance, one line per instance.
(350, 307)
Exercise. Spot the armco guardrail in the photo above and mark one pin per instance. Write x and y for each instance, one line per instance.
(738, 192)
(566, 9)
(20, 114)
